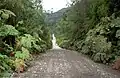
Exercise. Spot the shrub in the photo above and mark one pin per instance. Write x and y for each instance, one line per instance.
(5, 66)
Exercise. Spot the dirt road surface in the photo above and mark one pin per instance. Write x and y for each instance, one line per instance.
(59, 63)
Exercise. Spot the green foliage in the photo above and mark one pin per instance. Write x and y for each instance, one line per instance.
(98, 9)
(98, 48)
(32, 43)
(7, 30)
(92, 27)
(5, 64)
(22, 31)
(5, 14)
(24, 54)
(99, 41)
(27, 41)
(7, 49)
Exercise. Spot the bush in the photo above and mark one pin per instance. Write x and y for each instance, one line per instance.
(5, 66)
(16, 42)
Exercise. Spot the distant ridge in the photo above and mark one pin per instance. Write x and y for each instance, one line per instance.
(55, 17)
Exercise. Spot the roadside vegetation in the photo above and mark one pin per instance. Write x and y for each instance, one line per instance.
(92, 27)
(23, 32)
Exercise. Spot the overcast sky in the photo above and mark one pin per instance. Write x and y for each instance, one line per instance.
(55, 4)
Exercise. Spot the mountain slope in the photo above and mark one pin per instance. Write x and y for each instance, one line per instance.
(54, 17)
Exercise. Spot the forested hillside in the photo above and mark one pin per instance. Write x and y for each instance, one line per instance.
(55, 17)
(23, 32)
(51, 19)
(92, 27)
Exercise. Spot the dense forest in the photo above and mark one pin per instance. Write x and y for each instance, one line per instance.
(92, 27)
(23, 32)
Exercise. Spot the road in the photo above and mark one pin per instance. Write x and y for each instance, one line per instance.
(60, 63)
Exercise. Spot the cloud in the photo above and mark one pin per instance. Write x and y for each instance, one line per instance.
(54, 5)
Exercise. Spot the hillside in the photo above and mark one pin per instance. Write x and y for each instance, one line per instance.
(54, 17)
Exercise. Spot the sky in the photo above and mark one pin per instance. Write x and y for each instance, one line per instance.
(54, 5)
